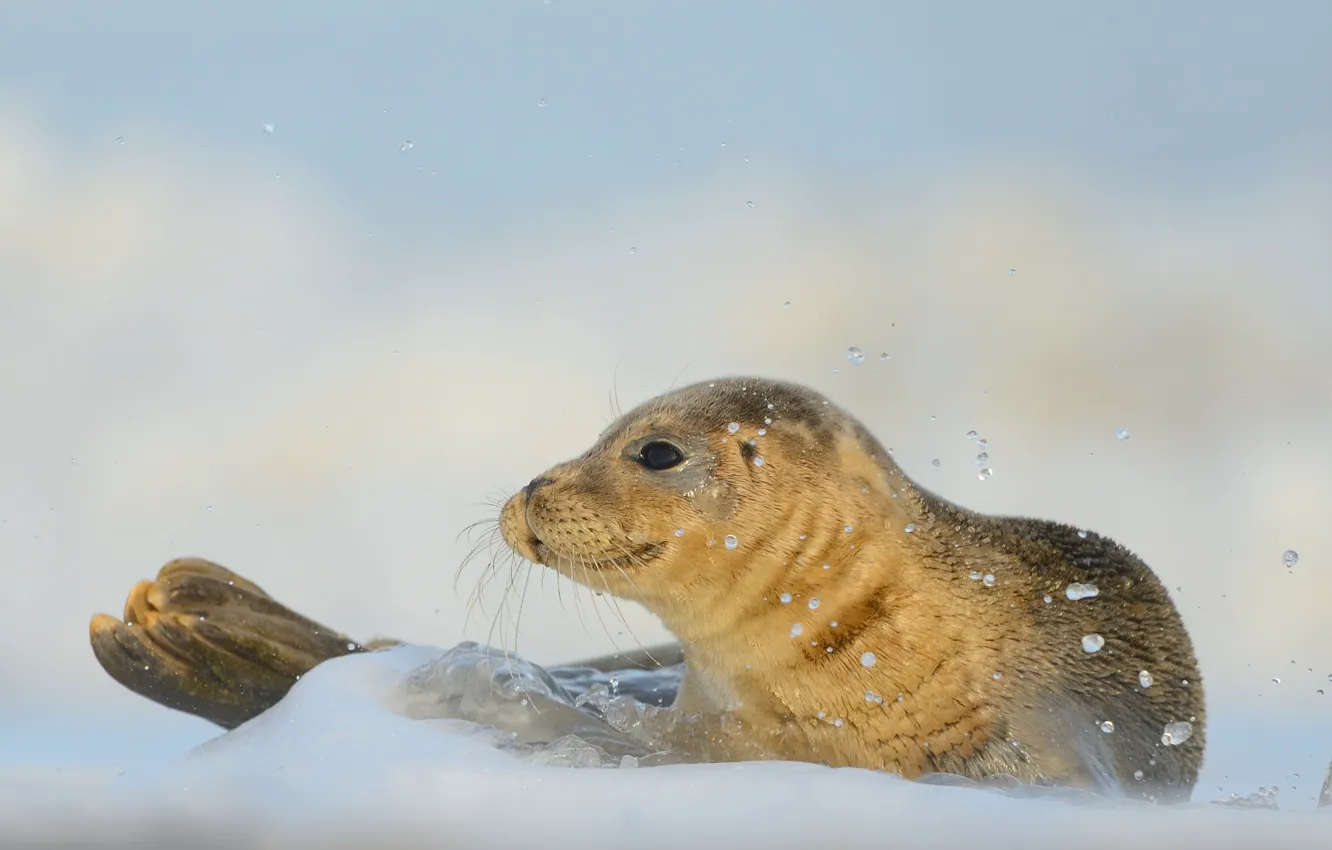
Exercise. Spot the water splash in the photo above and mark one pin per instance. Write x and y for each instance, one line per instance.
(1076, 591)
(1176, 733)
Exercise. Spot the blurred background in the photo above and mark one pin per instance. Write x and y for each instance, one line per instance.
(300, 288)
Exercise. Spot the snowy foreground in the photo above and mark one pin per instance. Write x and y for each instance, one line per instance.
(374, 751)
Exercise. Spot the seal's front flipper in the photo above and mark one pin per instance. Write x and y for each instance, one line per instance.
(204, 640)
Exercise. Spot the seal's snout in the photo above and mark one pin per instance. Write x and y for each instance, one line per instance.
(514, 528)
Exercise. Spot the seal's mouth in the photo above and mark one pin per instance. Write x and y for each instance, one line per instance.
(632, 558)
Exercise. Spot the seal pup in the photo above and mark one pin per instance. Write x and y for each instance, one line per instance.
(839, 613)
(831, 608)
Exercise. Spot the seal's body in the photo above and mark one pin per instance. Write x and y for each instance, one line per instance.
(844, 615)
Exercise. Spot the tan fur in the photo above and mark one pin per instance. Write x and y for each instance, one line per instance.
(898, 584)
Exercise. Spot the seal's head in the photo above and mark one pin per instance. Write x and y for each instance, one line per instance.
(682, 496)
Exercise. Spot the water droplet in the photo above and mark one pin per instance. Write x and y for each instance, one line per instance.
(827, 566)
(1082, 534)
(120, 140)
(1144, 678)
(796, 629)
(972, 435)
(541, 102)
(936, 463)
(837, 722)
(855, 355)
(821, 715)
(679, 532)
(268, 129)
(730, 542)
(406, 146)
(985, 474)
(1107, 727)
(910, 528)
(733, 427)
(1122, 434)
(633, 250)
(1275, 680)
(785, 598)
(867, 659)
(1048, 599)
(208, 507)
(1092, 643)
(1076, 591)
(786, 304)
(982, 444)
(982, 459)
(998, 675)
(749, 204)
(975, 576)
(869, 696)
(846, 529)
(759, 461)
(1176, 733)
(1012, 271)
(988, 581)
(883, 355)
(1290, 558)
(813, 603)
(351, 647)
(762, 432)
(1137, 774)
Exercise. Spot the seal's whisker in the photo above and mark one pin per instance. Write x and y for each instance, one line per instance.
(488, 575)
(507, 561)
(600, 576)
(497, 624)
(615, 391)
(489, 539)
(510, 589)
(680, 375)
(500, 556)
(638, 561)
(559, 584)
(522, 598)
(471, 525)
(579, 583)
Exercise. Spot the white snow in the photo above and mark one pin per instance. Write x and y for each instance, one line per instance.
(342, 762)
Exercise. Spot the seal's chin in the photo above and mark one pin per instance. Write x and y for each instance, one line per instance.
(631, 558)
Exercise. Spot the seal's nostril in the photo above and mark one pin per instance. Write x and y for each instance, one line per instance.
(536, 484)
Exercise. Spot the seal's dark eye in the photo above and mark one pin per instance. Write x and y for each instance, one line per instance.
(660, 455)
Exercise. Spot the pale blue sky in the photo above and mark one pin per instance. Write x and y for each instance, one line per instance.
(1182, 91)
